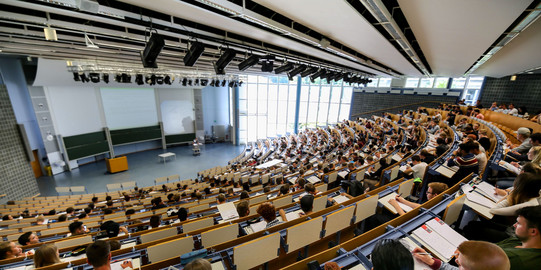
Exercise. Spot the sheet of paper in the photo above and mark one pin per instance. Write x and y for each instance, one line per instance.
(435, 242)
(480, 199)
(259, 226)
(358, 267)
(228, 211)
(340, 199)
(219, 265)
(293, 215)
(385, 201)
(397, 157)
(343, 174)
(410, 245)
(446, 232)
(445, 171)
(487, 190)
(313, 179)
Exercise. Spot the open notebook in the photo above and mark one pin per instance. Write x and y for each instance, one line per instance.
(439, 238)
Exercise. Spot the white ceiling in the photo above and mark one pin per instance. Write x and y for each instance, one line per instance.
(521, 54)
(454, 34)
(339, 21)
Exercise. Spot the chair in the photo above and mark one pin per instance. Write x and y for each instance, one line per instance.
(256, 252)
(196, 150)
(170, 249)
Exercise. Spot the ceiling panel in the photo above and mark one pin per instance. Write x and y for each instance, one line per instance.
(339, 21)
(199, 15)
(454, 34)
(521, 54)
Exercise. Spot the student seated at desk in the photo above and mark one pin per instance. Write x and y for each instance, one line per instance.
(98, 254)
(198, 264)
(434, 189)
(524, 249)
(10, 250)
(401, 259)
(46, 254)
(471, 255)
(28, 238)
(526, 188)
(307, 204)
(268, 213)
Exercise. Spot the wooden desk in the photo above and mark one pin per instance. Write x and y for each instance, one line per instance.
(118, 164)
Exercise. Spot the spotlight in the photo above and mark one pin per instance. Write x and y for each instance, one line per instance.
(240, 83)
(284, 68)
(118, 77)
(159, 80)
(151, 80)
(184, 82)
(152, 49)
(196, 82)
(139, 79)
(105, 78)
(295, 71)
(126, 78)
(320, 73)
(250, 62)
(204, 82)
(231, 84)
(76, 77)
(223, 83)
(167, 80)
(268, 63)
(212, 83)
(190, 82)
(309, 71)
(94, 77)
(223, 61)
(194, 52)
(84, 78)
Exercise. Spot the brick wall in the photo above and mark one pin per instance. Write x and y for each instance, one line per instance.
(367, 102)
(16, 177)
(524, 91)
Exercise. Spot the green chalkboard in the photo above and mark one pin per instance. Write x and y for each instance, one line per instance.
(130, 135)
(179, 138)
(85, 145)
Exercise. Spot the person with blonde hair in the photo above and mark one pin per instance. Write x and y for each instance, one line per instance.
(46, 255)
(199, 264)
(472, 255)
(434, 189)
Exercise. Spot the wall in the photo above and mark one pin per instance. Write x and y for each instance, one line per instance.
(524, 91)
(215, 107)
(370, 101)
(16, 177)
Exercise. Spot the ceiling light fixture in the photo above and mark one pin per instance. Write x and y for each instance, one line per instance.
(223, 61)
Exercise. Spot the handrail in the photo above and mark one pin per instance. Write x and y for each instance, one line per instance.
(395, 107)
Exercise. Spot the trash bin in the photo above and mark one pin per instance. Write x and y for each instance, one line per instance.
(48, 170)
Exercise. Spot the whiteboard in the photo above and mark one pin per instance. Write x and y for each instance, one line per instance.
(75, 109)
(129, 107)
(177, 110)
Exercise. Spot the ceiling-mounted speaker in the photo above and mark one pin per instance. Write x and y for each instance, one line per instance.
(152, 49)
(324, 43)
(194, 52)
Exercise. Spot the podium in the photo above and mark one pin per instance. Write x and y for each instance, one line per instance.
(118, 164)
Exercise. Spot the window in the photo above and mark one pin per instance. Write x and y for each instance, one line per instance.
(412, 82)
(384, 82)
(475, 82)
(441, 82)
(426, 83)
(458, 83)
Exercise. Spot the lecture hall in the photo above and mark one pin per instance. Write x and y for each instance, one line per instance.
(270, 134)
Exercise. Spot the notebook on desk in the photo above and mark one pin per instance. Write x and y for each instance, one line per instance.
(488, 191)
(385, 201)
(228, 211)
(448, 172)
(410, 245)
(439, 238)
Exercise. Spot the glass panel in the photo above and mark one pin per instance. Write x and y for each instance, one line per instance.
(291, 116)
(243, 122)
(426, 83)
(305, 90)
(344, 112)
(384, 82)
(272, 111)
(242, 107)
(252, 128)
(322, 114)
(261, 127)
(458, 83)
(314, 94)
(242, 92)
(475, 82)
(346, 97)
(252, 79)
(374, 83)
(325, 93)
(303, 110)
(312, 115)
(281, 129)
(441, 82)
(252, 106)
(333, 113)
(336, 92)
(292, 93)
(273, 92)
(412, 82)
(262, 99)
(294, 81)
(263, 79)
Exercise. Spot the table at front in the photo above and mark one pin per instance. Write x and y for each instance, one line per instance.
(164, 156)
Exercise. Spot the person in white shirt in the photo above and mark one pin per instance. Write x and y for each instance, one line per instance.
(512, 110)
(480, 156)
(418, 168)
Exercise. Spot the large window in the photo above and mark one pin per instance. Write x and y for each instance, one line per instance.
(412, 82)
(426, 83)
(384, 82)
(441, 83)
(267, 106)
(472, 90)
(458, 83)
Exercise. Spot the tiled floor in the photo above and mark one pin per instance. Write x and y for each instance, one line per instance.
(144, 167)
